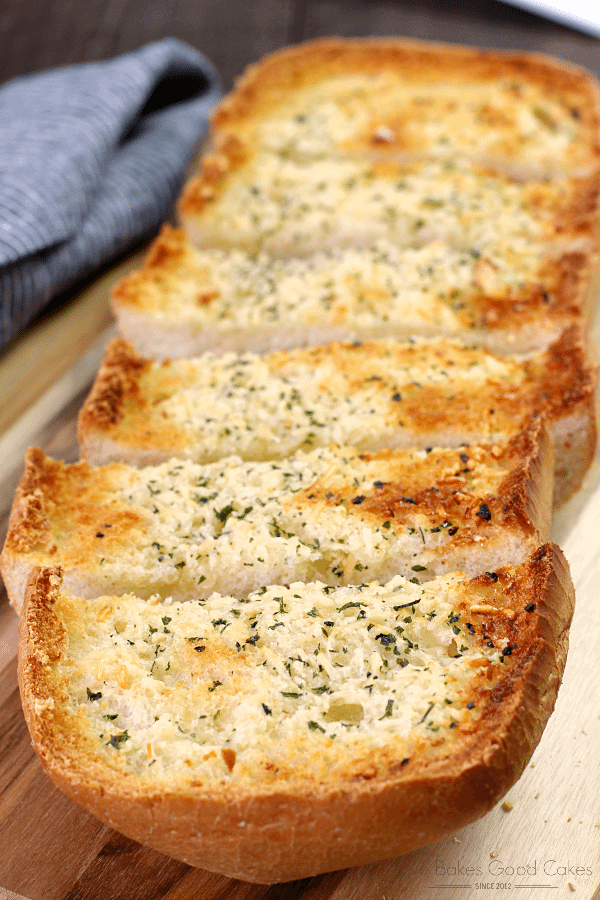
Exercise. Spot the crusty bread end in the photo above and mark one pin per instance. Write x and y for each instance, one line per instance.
(242, 809)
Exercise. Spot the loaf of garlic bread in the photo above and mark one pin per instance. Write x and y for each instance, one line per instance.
(300, 615)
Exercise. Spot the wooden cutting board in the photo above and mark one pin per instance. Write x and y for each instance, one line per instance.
(543, 842)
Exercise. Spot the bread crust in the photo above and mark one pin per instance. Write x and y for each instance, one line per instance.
(282, 831)
(481, 507)
(570, 389)
(118, 378)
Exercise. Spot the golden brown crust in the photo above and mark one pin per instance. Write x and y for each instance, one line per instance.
(568, 401)
(201, 190)
(265, 83)
(568, 378)
(117, 380)
(28, 525)
(535, 491)
(164, 254)
(281, 831)
(579, 215)
(215, 168)
(527, 490)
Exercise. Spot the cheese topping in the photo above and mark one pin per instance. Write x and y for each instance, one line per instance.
(372, 290)
(301, 680)
(387, 113)
(371, 396)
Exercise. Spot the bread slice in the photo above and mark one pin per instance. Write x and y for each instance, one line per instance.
(185, 301)
(528, 114)
(371, 395)
(300, 729)
(332, 514)
(258, 202)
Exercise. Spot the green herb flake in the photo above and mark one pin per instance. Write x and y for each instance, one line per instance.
(117, 739)
(314, 726)
(388, 710)
(352, 604)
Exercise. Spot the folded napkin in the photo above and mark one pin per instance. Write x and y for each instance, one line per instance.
(91, 160)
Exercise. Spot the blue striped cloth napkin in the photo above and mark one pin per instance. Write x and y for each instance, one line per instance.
(91, 159)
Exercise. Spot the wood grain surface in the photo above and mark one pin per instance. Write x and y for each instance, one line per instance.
(548, 844)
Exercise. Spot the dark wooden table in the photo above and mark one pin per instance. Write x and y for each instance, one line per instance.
(41, 33)
(45, 862)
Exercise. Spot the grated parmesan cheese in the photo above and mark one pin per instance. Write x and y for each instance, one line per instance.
(369, 396)
(305, 678)
(373, 292)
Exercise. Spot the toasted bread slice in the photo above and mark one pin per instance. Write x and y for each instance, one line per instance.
(300, 729)
(528, 114)
(371, 396)
(186, 301)
(331, 514)
(258, 202)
